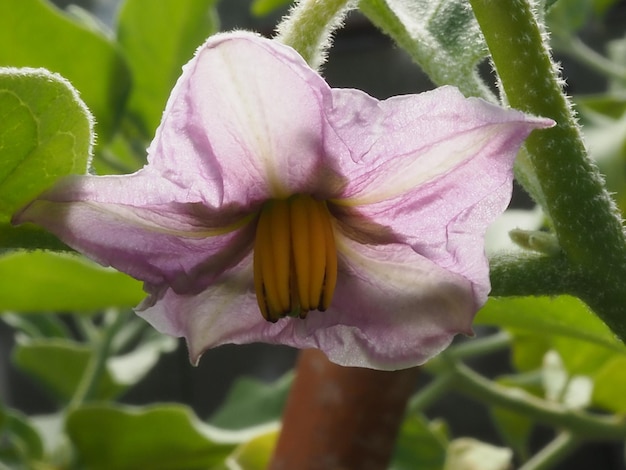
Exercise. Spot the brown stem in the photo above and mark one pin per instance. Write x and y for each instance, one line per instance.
(341, 417)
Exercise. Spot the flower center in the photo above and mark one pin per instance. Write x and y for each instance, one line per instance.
(295, 258)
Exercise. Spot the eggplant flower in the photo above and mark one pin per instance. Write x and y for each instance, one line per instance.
(274, 208)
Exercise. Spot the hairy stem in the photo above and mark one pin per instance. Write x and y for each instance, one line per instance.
(585, 219)
(309, 26)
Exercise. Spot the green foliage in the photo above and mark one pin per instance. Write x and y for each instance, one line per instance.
(37, 325)
(514, 428)
(562, 316)
(441, 36)
(59, 365)
(566, 326)
(159, 438)
(157, 41)
(256, 453)
(45, 132)
(40, 281)
(20, 444)
(252, 402)
(566, 17)
(421, 444)
(39, 35)
(265, 7)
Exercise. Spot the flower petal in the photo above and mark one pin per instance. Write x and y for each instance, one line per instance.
(392, 309)
(430, 170)
(145, 226)
(388, 148)
(243, 123)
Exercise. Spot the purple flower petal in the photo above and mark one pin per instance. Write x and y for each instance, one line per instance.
(244, 122)
(143, 225)
(430, 170)
(393, 309)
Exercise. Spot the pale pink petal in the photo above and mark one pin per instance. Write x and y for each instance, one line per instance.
(393, 309)
(244, 122)
(430, 170)
(142, 225)
(387, 149)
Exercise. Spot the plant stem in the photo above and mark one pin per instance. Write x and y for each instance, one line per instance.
(579, 423)
(309, 26)
(585, 219)
(97, 364)
(531, 274)
(479, 347)
(553, 453)
(341, 417)
(430, 393)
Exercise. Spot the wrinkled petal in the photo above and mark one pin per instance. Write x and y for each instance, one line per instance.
(244, 122)
(430, 170)
(145, 226)
(386, 149)
(392, 309)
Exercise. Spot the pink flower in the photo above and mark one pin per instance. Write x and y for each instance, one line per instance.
(373, 211)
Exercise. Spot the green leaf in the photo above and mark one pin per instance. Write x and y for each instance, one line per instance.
(157, 41)
(420, 445)
(589, 351)
(59, 364)
(19, 440)
(514, 428)
(37, 325)
(442, 36)
(561, 316)
(256, 453)
(45, 132)
(42, 36)
(43, 281)
(251, 402)
(529, 349)
(610, 386)
(265, 7)
(159, 438)
(567, 17)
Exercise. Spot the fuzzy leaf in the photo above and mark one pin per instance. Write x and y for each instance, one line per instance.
(40, 35)
(45, 133)
(441, 36)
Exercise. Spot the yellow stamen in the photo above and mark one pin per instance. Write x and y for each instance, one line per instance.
(330, 273)
(280, 238)
(295, 258)
(300, 240)
(317, 252)
(264, 265)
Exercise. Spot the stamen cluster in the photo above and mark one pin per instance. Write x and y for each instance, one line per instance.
(295, 258)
